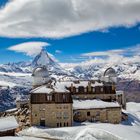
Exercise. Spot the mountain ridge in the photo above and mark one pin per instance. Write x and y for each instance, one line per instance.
(16, 77)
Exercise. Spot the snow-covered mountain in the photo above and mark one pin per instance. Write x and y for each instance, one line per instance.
(19, 67)
(44, 59)
(17, 76)
(129, 71)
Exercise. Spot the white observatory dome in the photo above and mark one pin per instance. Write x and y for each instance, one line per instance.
(110, 75)
(110, 72)
(40, 76)
(40, 72)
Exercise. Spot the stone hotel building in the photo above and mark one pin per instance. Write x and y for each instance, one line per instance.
(60, 103)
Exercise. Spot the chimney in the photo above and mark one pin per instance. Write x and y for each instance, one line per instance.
(89, 86)
(71, 87)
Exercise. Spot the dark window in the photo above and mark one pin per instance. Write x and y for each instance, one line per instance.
(57, 124)
(67, 124)
(88, 113)
(81, 89)
(60, 124)
(64, 124)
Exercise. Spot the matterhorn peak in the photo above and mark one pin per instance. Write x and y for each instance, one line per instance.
(44, 59)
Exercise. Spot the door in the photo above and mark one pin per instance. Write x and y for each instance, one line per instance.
(42, 123)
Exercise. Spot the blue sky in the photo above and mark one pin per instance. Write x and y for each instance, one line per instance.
(70, 48)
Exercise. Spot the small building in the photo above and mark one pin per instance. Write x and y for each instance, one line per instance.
(22, 103)
(121, 99)
(51, 107)
(8, 126)
(96, 110)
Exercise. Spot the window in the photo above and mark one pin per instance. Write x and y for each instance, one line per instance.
(41, 107)
(102, 89)
(49, 97)
(88, 113)
(93, 89)
(58, 115)
(60, 124)
(64, 124)
(65, 115)
(85, 89)
(65, 107)
(97, 113)
(77, 90)
(67, 124)
(64, 97)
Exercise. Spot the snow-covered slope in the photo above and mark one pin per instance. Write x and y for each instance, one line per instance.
(19, 67)
(128, 130)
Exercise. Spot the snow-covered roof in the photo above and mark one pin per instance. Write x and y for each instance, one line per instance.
(42, 89)
(89, 104)
(58, 87)
(8, 123)
(81, 83)
(11, 138)
(119, 92)
(61, 86)
(10, 110)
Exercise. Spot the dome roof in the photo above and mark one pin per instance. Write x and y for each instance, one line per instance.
(40, 72)
(110, 72)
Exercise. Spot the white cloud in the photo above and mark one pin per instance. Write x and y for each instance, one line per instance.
(128, 55)
(62, 18)
(29, 48)
(133, 50)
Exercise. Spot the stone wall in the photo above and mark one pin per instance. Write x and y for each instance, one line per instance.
(53, 115)
(111, 115)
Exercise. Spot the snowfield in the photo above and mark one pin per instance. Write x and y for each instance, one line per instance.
(7, 84)
(12, 79)
(128, 130)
